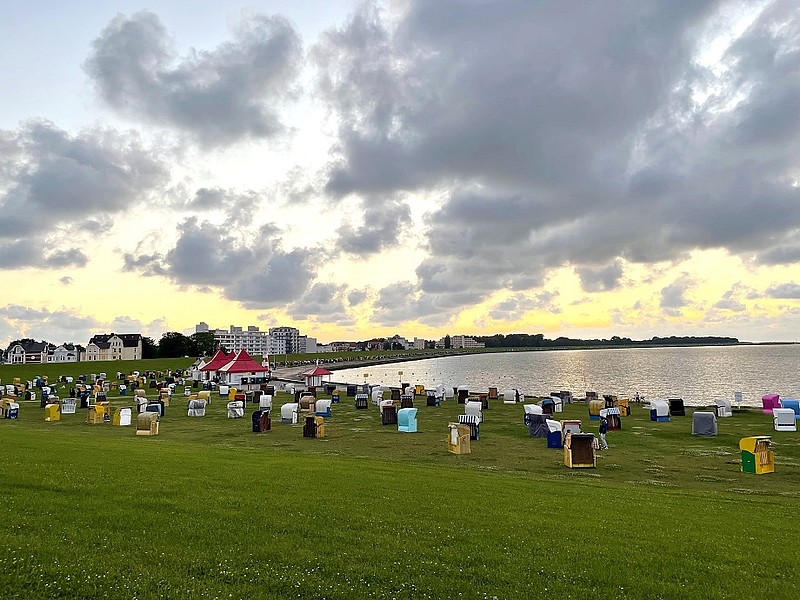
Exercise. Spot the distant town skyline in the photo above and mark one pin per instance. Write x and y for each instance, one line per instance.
(361, 169)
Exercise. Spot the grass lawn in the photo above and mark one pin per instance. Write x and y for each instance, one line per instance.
(208, 509)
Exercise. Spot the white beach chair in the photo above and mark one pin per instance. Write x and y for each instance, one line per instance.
(783, 419)
(472, 407)
(289, 412)
(235, 409)
(197, 408)
(723, 407)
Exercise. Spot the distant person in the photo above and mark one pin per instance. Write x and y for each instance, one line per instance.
(603, 430)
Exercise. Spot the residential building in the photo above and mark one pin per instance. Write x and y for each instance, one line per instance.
(252, 340)
(462, 341)
(343, 346)
(397, 342)
(114, 346)
(284, 340)
(64, 353)
(27, 352)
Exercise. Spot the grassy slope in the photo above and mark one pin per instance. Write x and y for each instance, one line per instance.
(208, 509)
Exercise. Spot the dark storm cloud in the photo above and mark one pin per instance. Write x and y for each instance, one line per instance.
(514, 308)
(568, 134)
(673, 296)
(249, 268)
(356, 297)
(731, 299)
(600, 279)
(402, 301)
(325, 300)
(58, 186)
(384, 222)
(19, 254)
(789, 290)
(219, 96)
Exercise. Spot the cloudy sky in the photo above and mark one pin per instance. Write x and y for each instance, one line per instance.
(358, 169)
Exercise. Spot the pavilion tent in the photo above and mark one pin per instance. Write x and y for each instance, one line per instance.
(314, 377)
(241, 365)
(219, 359)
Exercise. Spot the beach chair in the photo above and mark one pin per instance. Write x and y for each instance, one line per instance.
(377, 396)
(530, 409)
(289, 412)
(123, 416)
(537, 426)
(475, 409)
(554, 434)
(388, 413)
(147, 423)
(197, 408)
(68, 406)
(757, 455)
(314, 427)
(11, 410)
(704, 423)
(659, 410)
(785, 403)
(458, 438)
(676, 407)
(235, 409)
(579, 450)
(261, 421)
(52, 412)
(770, 402)
(474, 424)
(509, 396)
(723, 406)
(265, 402)
(322, 408)
(783, 419)
(407, 420)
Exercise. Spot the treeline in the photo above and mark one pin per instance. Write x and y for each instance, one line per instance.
(526, 340)
(174, 344)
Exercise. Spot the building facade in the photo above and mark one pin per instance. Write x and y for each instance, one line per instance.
(114, 346)
(252, 340)
(284, 340)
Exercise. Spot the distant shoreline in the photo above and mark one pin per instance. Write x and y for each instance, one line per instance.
(295, 373)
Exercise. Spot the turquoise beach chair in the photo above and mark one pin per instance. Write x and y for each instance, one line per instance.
(407, 420)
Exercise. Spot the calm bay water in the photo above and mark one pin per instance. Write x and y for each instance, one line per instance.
(698, 375)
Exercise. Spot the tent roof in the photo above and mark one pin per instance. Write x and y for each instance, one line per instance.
(243, 363)
(220, 359)
(316, 372)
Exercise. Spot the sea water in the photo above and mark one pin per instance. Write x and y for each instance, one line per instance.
(696, 374)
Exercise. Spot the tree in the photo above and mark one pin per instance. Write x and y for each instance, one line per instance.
(203, 343)
(174, 344)
(149, 348)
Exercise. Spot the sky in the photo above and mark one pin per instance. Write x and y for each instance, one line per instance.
(422, 168)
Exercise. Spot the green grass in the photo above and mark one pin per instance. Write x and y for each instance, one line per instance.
(208, 509)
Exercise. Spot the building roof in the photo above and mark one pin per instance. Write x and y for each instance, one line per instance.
(243, 363)
(220, 359)
(317, 372)
(129, 340)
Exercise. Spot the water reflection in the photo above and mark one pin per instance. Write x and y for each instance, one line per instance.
(698, 375)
